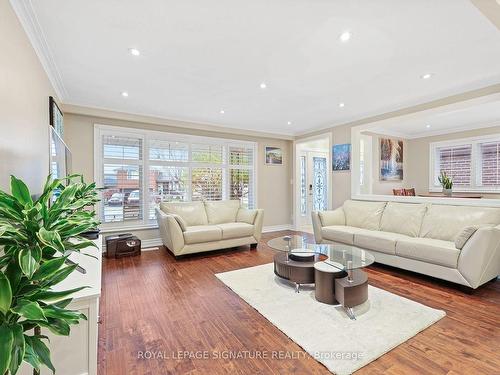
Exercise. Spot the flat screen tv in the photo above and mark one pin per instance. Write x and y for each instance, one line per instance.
(60, 156)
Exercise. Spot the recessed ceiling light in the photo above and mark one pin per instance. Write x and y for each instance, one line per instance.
(222, 112)
(263, 85)
(426, 75)
(125, 94)
(427, 126)
(289, 123)
(134, 51)
(341, 105)
(345, 36)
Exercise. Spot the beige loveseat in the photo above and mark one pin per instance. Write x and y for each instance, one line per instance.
(426, 238)
(193, 227)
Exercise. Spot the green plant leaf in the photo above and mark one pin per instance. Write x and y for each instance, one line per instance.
(13, 274)
(49, 295)
(6, 340)
(20, 191)
(51, 238)
(29, 309)
(48, 268)
(54, 311)
(18, 348)
(42, 351)
(60, 275)
(57, 326)
(5, 294)
(27, 262)
(30, 355)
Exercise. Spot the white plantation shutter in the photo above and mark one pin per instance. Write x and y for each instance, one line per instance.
(241, 183)
(489, 164)
(160, 150)
(456, 161)
(213, 154)
(207, 184)
(122, 172)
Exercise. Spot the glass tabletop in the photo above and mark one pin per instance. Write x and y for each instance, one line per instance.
(344, 257)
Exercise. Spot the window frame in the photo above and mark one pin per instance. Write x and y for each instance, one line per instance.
(476, 167)
(101, 130)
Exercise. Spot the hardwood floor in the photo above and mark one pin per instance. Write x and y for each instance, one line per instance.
(158, 306)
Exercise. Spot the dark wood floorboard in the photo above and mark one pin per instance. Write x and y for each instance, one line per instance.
(157, 304)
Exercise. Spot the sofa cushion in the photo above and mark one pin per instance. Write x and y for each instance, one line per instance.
(444, 222)
(245, 215)
(384, 242)
(404, 218)
(467, 233)
(193, 213)
(236, 230)
(335, 217)
(362, 214)
(202, 233)
(429, 250)
(339, 233)
(219, 212)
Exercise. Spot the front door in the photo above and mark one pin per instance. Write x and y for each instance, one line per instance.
(313, 181)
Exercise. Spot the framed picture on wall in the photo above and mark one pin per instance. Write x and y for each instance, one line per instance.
(341, 157)
(391, 159)
(56, 116)
(273, 155)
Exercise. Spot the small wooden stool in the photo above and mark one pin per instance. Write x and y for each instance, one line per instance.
(352, 293)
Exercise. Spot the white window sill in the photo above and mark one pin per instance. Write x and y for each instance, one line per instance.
(109, 228)
(434, 189)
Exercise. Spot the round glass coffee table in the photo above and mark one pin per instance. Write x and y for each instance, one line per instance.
(335, 269)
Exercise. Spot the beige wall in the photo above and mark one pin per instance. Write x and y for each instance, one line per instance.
(418, 156)
(274, 190)
(24, 106)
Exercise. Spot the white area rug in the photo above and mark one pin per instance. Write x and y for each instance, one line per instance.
(326, 332)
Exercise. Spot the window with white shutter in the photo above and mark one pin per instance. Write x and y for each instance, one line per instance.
(121, 175)
(140, 169)
(489, 164)
(472, 163)
(456, 162)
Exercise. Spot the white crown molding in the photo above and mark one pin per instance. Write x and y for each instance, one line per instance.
(27, 17)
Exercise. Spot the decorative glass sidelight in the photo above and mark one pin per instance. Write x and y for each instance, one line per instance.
(303, 189)
(319, 184)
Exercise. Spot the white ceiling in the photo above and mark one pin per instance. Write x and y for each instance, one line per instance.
(449, 121)
(201, 56)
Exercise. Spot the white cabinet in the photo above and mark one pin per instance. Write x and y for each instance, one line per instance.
(76, 354)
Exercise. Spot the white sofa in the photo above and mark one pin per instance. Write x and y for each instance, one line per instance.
(193, 227)
(425, 238)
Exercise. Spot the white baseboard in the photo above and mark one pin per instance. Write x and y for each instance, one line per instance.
(277, 228)
(153, 243)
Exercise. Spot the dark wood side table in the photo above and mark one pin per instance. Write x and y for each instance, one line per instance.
(335, 286)
(299, 270)
(352, 291)
(325, 276)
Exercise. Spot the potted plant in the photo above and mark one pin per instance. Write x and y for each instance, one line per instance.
(36, 238)
(446, 182)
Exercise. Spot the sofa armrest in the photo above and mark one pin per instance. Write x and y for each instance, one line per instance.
(170, 231)
(479, 260)
(322, 219)
(257, 224)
